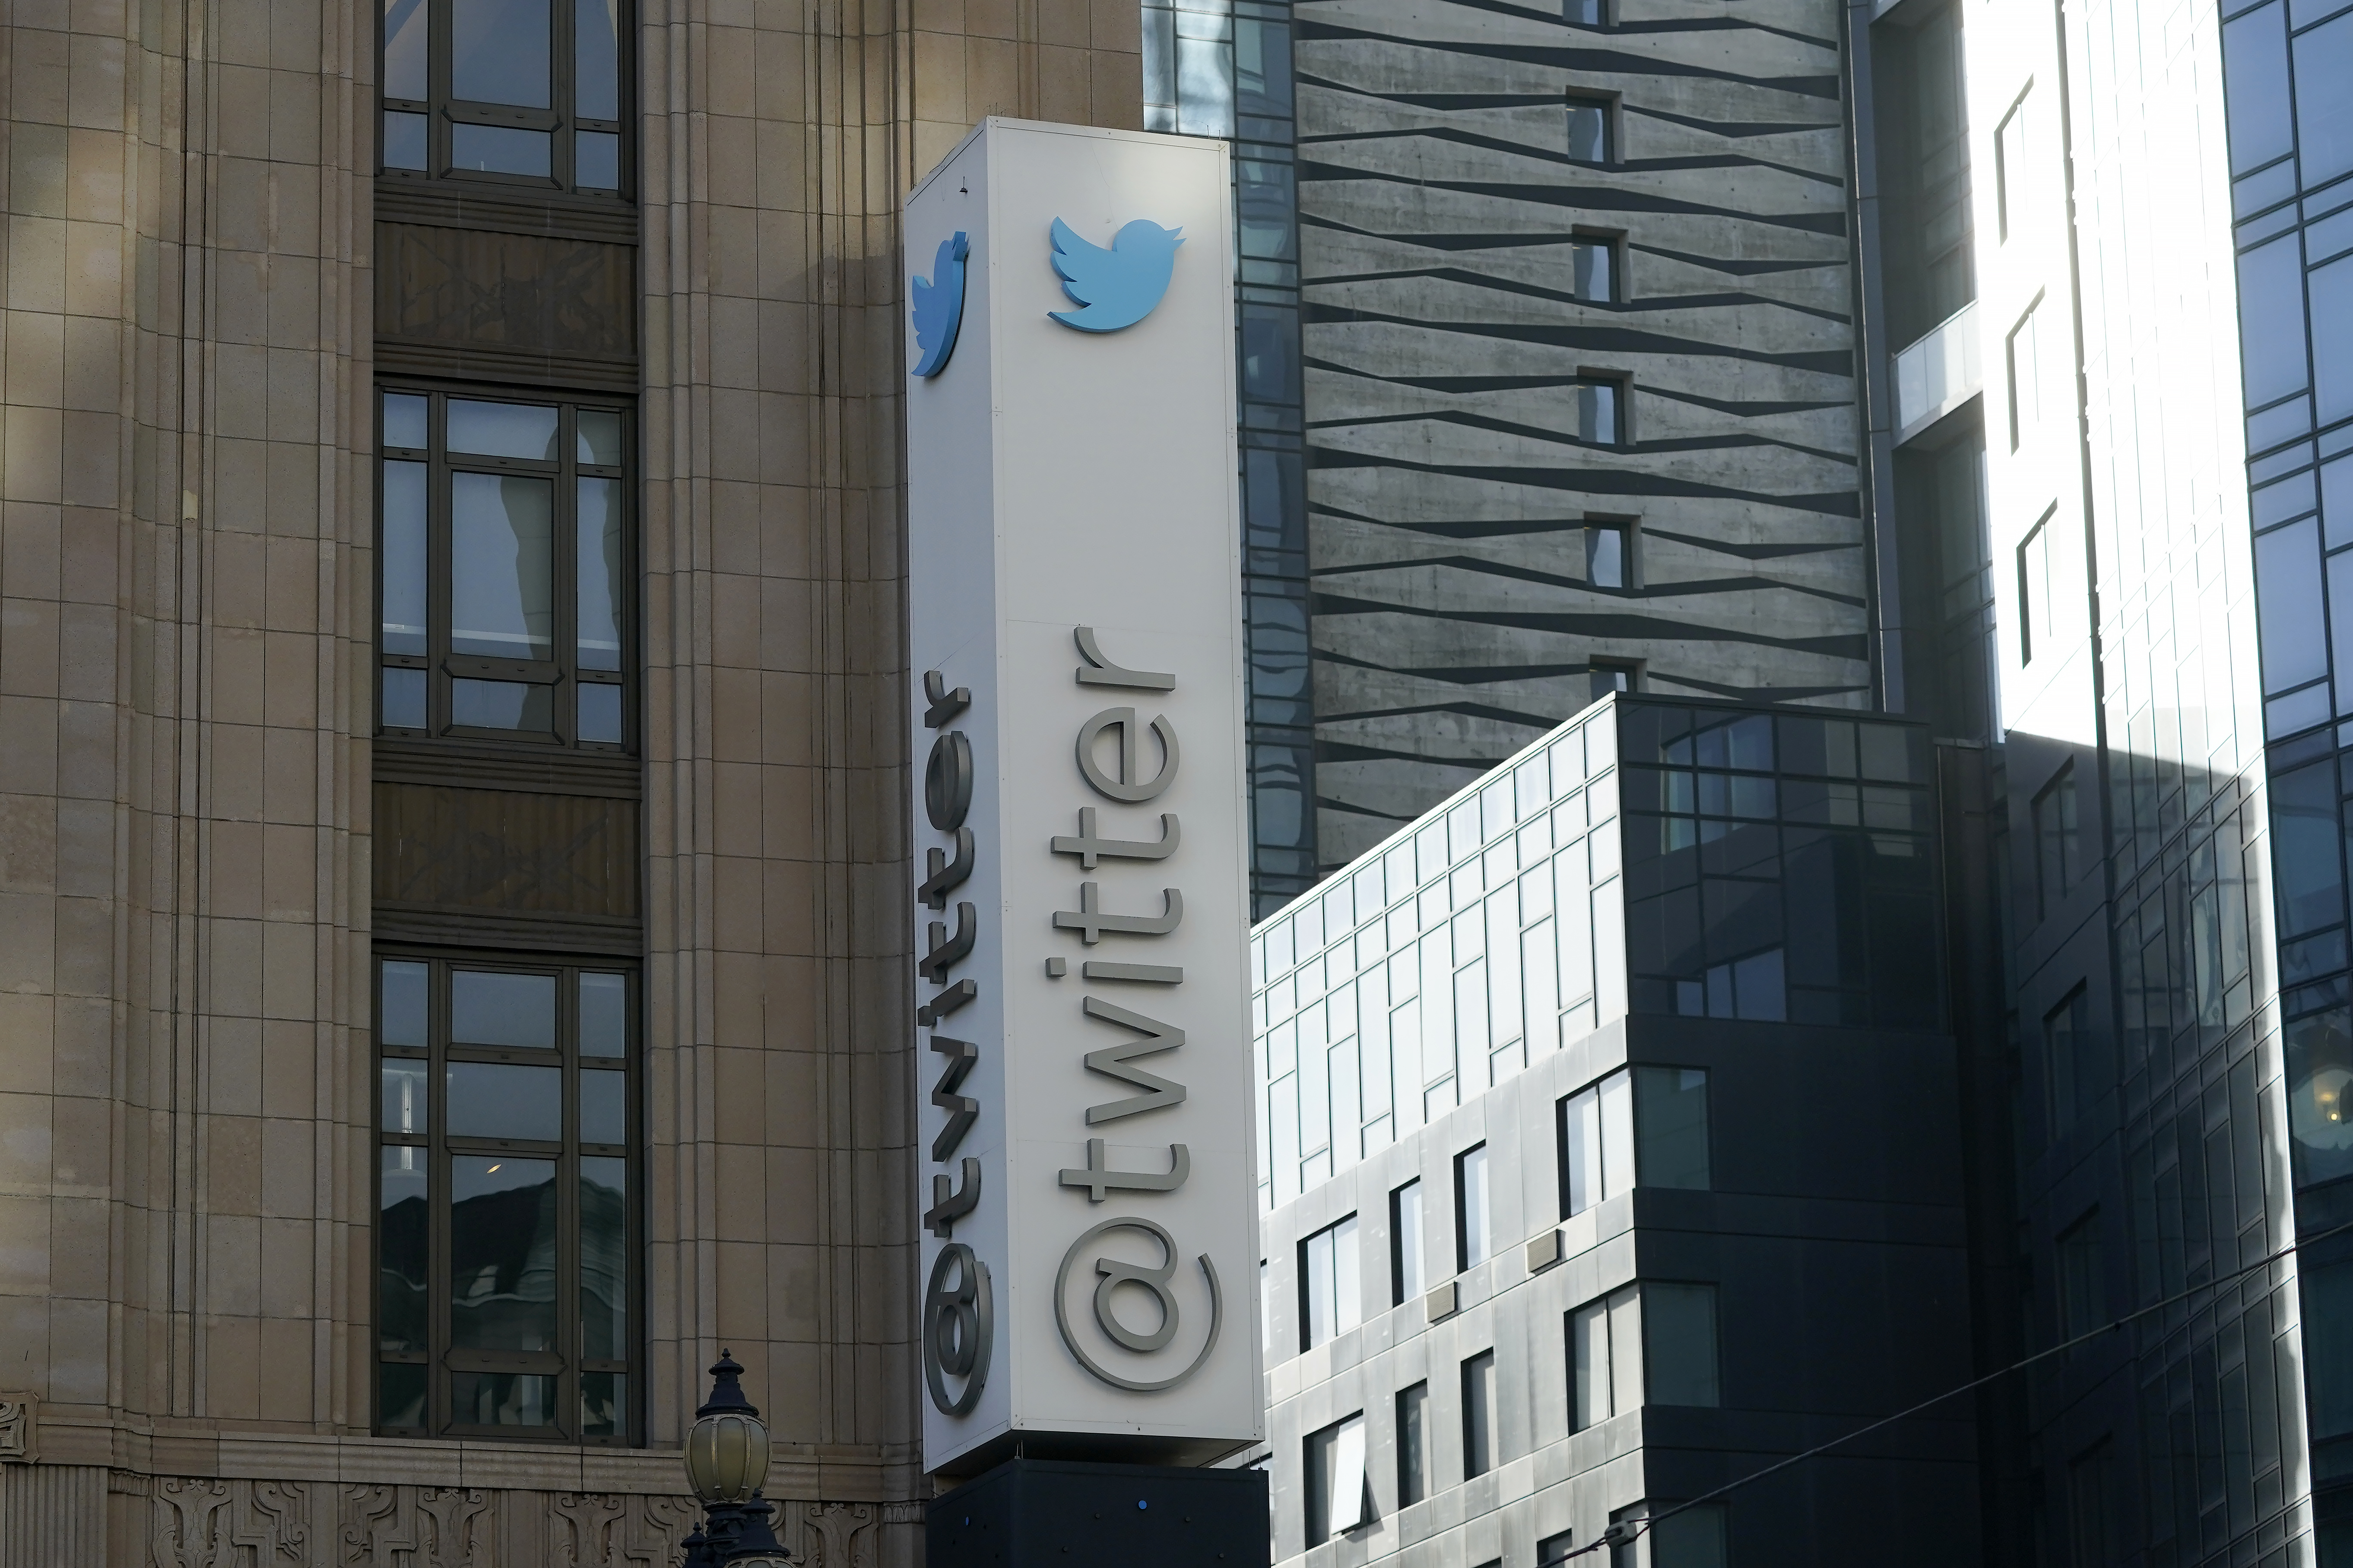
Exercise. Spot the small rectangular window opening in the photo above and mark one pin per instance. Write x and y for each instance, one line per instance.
(1609, 554)
(1479, 1415)
(1471, 1237)
(1413, 1444)
(1589, 130)
(2034, 607)
(1405, 1273)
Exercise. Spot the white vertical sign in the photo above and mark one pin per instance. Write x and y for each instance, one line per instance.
(1085, 1160)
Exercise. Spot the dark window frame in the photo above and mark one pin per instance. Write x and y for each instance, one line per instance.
(1464, 1261)
(568, 1363)
(563, 670)
(1480, 1449)
(1612, 152)
(1413, 1452)
(1398, 1294)
(1628, 564)
(442, 110)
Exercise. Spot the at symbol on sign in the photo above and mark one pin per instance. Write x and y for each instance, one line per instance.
(1115, 1272)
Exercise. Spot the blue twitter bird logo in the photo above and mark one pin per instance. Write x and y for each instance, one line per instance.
(938, 305)
(1118, 287)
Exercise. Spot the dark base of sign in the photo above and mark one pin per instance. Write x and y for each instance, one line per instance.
(1061, 1513)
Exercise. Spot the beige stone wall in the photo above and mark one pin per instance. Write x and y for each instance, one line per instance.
(186, 528)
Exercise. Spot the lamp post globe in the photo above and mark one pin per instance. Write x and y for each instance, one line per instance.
(727, 1459)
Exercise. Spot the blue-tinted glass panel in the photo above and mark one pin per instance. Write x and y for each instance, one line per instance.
(600, 713)
(1263, 68)
(499, 1099)
(498, 51)
(2287, 594)
(404, 141)
(501, 550)
(1264, 193)
(400, 545)
(604, 1260)
(400, 1010)
(2324, 101)
(405, 30)
(597, 160)
(2319, 1060)
(1270, 354)
(1589, 132)
(596, 61)
(491, 1008)
(2332, 332)
(525, 430)
(500, 150)
(2270, 320)
(604, 1015)
(2304, 850)
(2255, 78)
(403, 700)
(502, 705)
(403, 1247)
(2328, 1348)
(501, 1399)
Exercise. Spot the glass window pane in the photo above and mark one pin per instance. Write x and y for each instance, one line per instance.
(498, 51)
(1471, 1237)
(1625, 1350)
(2270, 320)
(597, 160)
(1589, 1353)
(400, 1019)
(501, 1254)
(1617, 1135)
(604, 1107)
(488, 1008)
(1596, 413)
(525, 430)
(2320, 1096)
(604, 1411)
(2304, 850)
(1681, 1322)
(1670, 1126)
(404, 1100)
(501, 550)
(600, 574)
(604, 1259)
(1413, 1444)
(1591, 266)
(1405, 1240)
(604, 1015)
(600, 713)
(400, 544)
(403, 700)
(500, 150)
(2255, 83)
(597, 437)
(404, 141)
(1589, 133)
(404, 26)
(597, 60)
(405, 418)
(2290, 628)
(501, 1399)
(497, 1100)
(2332, 328)
(1581, 1152)
(402, 1248)
(2324, 110)
(400, 1393)
(502, 705)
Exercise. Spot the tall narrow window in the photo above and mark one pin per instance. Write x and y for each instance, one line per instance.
(1406, 1276)
(1471, 1238)
(2083, 1283)
(519, 92)
(2013, 172)
(2034, 606)
(1596, 1143)
(1331, 1297)
(1338, 1498)
(1479, 1415)
(504, 1236)
(1605, 1359)
(1599, 404)
(1679, 1330)
(1589, 131)
(2027, 355)
(1593, 269)
(506, 572)
(1670, 1126)
(1608, 554)
(1413, 1444)
(2058, 847)
(2069, 1063)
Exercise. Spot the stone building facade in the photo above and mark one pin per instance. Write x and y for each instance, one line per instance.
(230, 808)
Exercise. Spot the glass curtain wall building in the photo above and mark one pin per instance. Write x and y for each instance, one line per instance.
(2096, 552)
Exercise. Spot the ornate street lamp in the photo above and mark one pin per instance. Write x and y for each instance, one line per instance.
(727, 1459)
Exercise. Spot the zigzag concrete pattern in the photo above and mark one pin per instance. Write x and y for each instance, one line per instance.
(1448, 488)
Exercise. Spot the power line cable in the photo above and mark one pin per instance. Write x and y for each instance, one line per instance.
(1628, 1531)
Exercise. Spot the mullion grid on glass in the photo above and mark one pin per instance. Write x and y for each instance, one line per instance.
(440, 1149)
(566, 670)
(1506, 841)
(442, 111)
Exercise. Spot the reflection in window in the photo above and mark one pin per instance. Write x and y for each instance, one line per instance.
(1413, 1444)
(1593, 270)
(533, 95)
(1331, 1296)
(2058, 842)
(1473, 1238)
(1405, 1243)
(1339, 1491)
(1605, 1359)
(1596, 406)
(1670, 1126)
(504, 1129)
(1608, 554)
(1596, 1145)
(1479, 1415)
(505, 579)
(1589, 131)
(2319, 1061)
